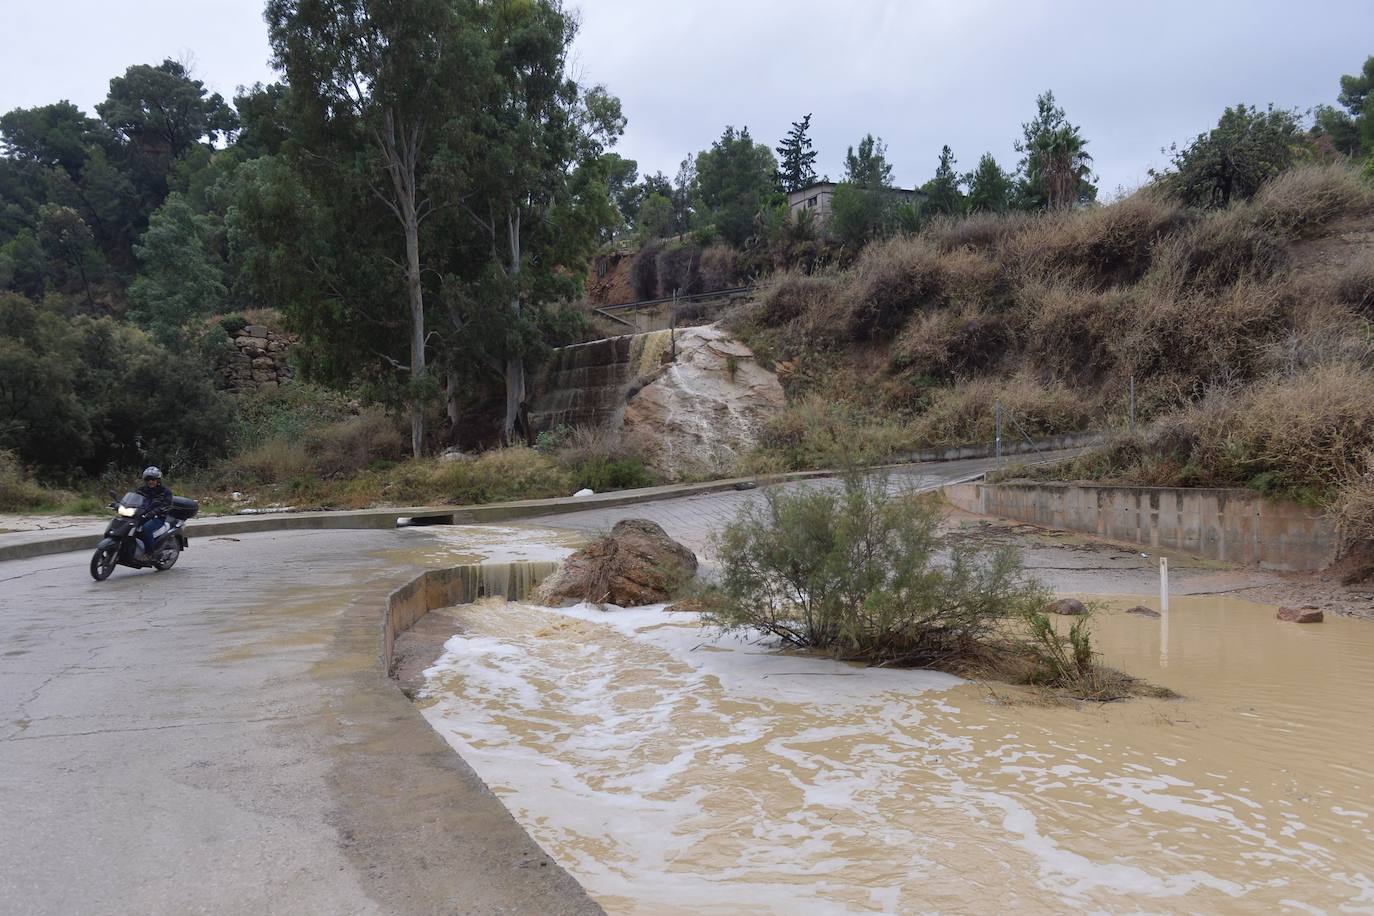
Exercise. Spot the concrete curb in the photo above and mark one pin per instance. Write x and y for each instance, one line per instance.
(27, 544)
(24, 545)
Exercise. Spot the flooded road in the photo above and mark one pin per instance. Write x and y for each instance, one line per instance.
(673, 771)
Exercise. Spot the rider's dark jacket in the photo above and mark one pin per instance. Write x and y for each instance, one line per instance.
(157, 499)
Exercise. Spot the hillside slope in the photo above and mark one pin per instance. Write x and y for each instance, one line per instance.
(1247, 331)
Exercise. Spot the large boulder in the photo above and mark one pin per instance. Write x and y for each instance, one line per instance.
(706, 409)
(637, 563)
(1069, 607)
(1307, 614)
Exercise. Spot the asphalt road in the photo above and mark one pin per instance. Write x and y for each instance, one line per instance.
(217, 738)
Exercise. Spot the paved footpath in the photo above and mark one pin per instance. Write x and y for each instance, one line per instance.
(218, 739)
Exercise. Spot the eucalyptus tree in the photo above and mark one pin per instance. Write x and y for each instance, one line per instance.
(538, 196)
(375, 88)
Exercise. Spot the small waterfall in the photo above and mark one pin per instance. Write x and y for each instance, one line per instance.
(588, 384)
(513, 581)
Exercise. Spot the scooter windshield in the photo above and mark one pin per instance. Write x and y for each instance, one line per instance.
(132, 500)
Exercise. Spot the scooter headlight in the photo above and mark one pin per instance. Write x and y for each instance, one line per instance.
(128, 511)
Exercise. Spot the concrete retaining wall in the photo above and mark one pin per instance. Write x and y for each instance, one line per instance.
(464, 584)
(1009, 447)
(1233, 526)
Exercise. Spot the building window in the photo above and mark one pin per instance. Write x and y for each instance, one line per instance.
(811, 201)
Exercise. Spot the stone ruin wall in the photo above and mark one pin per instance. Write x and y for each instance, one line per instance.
(257, 359)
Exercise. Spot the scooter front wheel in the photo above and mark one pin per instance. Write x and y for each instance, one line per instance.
(104, 562)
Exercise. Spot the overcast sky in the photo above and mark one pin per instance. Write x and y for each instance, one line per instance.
(918, 73)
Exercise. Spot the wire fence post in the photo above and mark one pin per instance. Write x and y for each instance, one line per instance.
(997, 447)
(1133, 405)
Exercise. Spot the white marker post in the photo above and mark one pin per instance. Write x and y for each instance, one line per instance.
(1163, 585)
(1163, 612)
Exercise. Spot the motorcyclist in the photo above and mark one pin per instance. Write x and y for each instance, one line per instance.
(157, 502)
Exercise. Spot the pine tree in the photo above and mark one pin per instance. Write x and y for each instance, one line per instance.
(942, 192)
(797, 159)
(989, 187)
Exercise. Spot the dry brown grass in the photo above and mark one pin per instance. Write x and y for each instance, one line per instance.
(1098, 246)
(891, 280)
(1354, 284)
(966, 412)
(1302, 200)
(338, 449)
(980, 231)
(948, 343)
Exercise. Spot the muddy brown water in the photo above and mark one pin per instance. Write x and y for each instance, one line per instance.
(672, 771)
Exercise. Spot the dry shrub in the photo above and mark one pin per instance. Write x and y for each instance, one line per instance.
(949, 343)
(1099, 245)
(891, 280)
(503, 474)
(1313, 432)
(679, 266)
(18, 491)
(348, 447)
(270, 461)
(980, 231)
(719, 268)
(970, 276)
(821, 432)
(1355, 504)
(1213, 340)
(644, 271)
(966, 413)
(1071, 331)
(1354, 284)
(792, 294)
(1306, 198)
(1324, 334)
(1220, 249)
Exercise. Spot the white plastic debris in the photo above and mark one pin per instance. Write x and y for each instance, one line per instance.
(583, 492)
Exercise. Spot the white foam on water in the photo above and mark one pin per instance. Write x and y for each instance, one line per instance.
(671, 769)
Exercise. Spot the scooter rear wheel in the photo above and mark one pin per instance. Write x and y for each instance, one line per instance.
(104, 562)
(167, 556)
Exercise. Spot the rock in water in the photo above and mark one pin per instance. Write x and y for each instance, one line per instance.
(1141, 610)
(1307, 614)
(705, 409)
(1069, 607)
(636, 564)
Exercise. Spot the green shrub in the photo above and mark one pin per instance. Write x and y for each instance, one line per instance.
(349, 446)
(501, 475)
(853, 572)
(603, 474)
(274, 460)
(1069, 663)
(817, 432)
(18, 490)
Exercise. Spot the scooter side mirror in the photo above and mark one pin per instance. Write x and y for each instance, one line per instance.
(114, 495)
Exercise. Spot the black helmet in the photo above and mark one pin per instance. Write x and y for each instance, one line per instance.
(152, 473)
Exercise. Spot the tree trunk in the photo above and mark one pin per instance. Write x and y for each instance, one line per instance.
(451, 402)
(515, 365)
(402, 149)
(417, 327)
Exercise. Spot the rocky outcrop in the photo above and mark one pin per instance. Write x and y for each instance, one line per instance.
(636, 564)
(1069, 607)
(705, 409)
(257, 358)
(1309, 614)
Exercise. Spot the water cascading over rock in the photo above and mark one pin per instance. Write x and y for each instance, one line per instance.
(691, 401)
(589, 384)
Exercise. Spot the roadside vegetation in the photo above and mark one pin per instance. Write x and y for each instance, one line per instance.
(861, 573)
